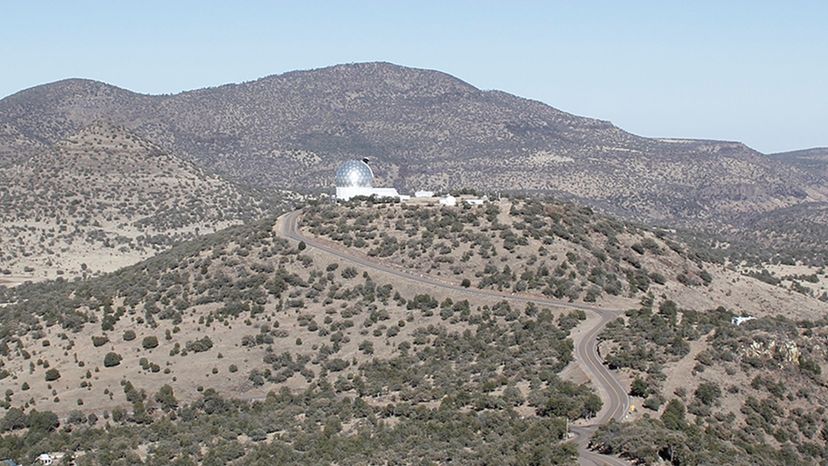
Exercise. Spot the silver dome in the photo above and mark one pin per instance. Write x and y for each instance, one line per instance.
(354, 174)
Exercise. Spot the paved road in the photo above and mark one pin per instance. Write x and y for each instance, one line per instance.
(616, 402)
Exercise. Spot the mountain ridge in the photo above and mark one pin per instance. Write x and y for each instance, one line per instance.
(425, 129)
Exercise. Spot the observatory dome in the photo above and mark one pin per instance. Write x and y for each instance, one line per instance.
(354, 174)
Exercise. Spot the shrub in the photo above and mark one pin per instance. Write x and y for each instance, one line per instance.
(150, 342)
(129, 335)
(112, 359)
(46, 421)
(708, 393)
(52, 374)
(200, 345)
(639, 388)
(99, 341)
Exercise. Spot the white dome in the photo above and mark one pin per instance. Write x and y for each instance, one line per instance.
(354, 174)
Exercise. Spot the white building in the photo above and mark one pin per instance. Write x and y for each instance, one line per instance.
(739, 320)
(355, 178)
(448, 200)
(424, 194)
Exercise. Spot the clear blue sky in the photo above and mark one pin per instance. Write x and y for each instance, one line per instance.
(754, 71)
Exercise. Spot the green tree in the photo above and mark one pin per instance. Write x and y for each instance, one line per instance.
(673, 415)
(45, 421)
(639, 388)
(166, 398)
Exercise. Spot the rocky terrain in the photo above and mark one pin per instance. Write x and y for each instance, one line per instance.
(426, 129)
(102, 199)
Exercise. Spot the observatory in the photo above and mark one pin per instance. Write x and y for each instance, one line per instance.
(355, 178)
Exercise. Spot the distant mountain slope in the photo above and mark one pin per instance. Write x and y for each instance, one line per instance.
(104, 198)
(812, 160)
(425, 129)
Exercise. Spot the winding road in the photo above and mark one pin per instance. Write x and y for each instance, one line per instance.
(616, 403)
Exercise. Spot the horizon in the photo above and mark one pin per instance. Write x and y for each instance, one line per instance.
(745, 71)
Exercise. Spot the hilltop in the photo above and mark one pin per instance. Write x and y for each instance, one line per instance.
(427, 129)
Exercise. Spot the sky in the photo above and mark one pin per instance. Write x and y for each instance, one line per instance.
(751, 71)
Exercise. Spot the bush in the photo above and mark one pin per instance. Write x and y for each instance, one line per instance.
(99, 341)
(200, 345)
(52, 374)
(708, 393)
(150, 342)
(639, 388)
(112, 359)
(46, 421)
(129, 335)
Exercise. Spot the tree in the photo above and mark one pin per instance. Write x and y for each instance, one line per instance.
(708, 393)
(673, 415)
(166, 398)
(112, 359)
(46, 421)
(15, 419)
(639, 388)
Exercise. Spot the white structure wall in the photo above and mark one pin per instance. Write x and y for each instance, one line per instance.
(344, 193)
(448, 200)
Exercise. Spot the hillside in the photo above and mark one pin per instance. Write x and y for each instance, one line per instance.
(710, 392)
(306, 357)
(560, 250)
(811, 160)
(300, 356)
(101, 199)
(427, 129)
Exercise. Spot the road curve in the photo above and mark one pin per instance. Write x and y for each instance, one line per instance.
(615, 400)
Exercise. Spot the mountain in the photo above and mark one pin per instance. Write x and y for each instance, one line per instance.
(810, 160)
(425, 129)
(102, 198)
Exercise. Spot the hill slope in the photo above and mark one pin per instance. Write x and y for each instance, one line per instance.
(812, 160)
(103, 198)
(425, 129)
(306, 356)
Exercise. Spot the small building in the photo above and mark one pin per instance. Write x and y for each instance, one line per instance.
(424, 194)
(739, 320)
(448, 200)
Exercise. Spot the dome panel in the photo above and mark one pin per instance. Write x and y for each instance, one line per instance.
(354, 174)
